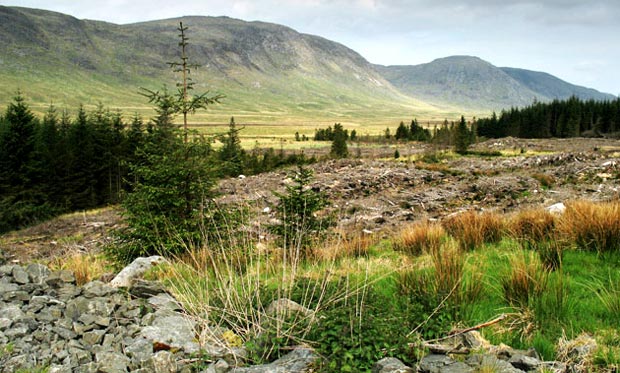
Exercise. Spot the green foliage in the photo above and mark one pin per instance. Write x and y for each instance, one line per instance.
(413, 132)
(58, 164)
(169, 205)
(232, 155)
(339, 142)
(462, 137)
(402, 132)
(559, 118)
(296, 211)
(353, 336)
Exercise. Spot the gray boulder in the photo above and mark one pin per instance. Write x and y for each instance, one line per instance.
(135, 270)
(172, 329)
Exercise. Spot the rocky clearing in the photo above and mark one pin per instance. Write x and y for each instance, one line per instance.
(378, 195)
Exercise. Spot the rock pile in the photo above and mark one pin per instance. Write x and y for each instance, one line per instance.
(48, 321)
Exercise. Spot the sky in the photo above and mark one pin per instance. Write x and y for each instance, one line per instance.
(575, 40)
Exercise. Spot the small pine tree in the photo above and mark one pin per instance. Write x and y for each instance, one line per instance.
(296, 211)
(402, 132)
(232, 154)
(339, 143)
(461, 137)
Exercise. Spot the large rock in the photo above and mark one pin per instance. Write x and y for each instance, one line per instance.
(557, 209)
(135, 270)
(172, 331)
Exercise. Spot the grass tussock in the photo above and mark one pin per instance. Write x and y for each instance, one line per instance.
(86, 267)
(420, 238)
(592, 226)
(449, 264)
(472, 229)
(345, 246)
(532, 226)
(535, 229)
(527, 279)
(608, 293)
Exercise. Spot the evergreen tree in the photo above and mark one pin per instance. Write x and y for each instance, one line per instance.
(402, 132)
(461, 137)
(339, 143)
(20, 203)
(232, 154)
(296, 210)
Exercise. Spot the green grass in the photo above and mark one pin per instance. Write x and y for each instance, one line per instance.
(442, 288)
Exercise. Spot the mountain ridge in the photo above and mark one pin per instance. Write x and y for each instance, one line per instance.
(269, 72)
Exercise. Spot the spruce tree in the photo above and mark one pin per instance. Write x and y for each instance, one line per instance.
(461, 137)
(339, 143)
(402, 132)
(232, 154)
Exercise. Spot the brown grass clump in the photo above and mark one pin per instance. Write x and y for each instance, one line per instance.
(532, 226)
(345, 246)
(85, 267)
(527, 279)
(472, 229)
(535, 229)
(592, 226)
(545, 180)
(419, 238)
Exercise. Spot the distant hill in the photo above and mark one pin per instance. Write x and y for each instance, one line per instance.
(473, 83)
(552, 87)
(268, 72)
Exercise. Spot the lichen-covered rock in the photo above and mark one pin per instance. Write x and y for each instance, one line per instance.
(135, 270)
(173, 330)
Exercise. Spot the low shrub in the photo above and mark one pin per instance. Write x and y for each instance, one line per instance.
(352, 336)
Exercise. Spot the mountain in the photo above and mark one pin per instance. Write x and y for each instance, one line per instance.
(473, 83)
(552, 87)
(268, 72)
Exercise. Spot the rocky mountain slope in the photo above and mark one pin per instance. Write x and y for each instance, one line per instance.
(262, 68)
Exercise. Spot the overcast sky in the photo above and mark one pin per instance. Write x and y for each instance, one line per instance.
(576, 40)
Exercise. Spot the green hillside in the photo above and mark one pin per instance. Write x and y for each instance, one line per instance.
(268, 72)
